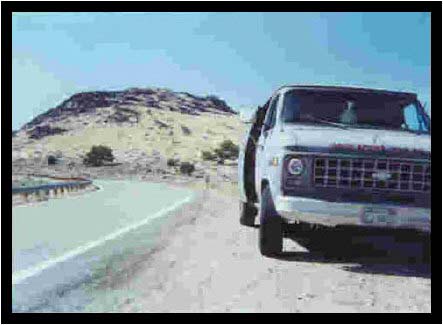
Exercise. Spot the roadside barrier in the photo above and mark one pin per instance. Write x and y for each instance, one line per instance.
(45, 191)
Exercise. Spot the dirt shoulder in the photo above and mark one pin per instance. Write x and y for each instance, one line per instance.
(206, 262)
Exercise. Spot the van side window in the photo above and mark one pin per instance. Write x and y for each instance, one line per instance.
(272, 114)
(413, 119)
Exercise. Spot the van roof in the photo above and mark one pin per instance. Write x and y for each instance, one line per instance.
(349, 90)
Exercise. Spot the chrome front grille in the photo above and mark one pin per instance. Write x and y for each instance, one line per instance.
(372, 173)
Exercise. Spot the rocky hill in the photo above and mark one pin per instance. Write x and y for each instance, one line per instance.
(120, 101)
(140, 125)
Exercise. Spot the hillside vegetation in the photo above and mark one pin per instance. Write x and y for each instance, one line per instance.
(207, 132)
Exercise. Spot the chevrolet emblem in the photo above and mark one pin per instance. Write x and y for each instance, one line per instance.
(381, 176)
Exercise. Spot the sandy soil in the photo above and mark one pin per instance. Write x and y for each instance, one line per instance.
(207, 262)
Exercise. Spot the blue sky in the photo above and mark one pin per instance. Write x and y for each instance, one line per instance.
(241, 57)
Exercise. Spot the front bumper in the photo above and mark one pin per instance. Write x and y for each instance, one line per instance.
(299, 209)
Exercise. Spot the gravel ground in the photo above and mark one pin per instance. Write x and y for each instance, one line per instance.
(207, 262)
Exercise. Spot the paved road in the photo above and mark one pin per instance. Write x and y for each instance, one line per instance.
(57, 245)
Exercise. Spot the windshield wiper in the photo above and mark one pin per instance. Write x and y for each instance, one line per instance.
(415, 131)
(320, 120)
(386, 128)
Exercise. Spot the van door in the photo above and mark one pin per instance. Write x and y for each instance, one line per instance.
(247, 167)
(261, 153)
(244, 148)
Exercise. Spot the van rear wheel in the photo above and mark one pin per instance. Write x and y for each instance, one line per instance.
(247, 214)
(271, 226)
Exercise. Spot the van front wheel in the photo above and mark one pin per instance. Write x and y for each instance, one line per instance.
(247, 214)
(271, 228)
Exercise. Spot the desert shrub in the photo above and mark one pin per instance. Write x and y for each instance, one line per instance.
(212, 97)
(171, 162)
(52, 160)
(187, 168)
(186, 130)
(161, 124)
(227, 150)
(98, 155)
(207, 155)
(58, 154)
(216, 100)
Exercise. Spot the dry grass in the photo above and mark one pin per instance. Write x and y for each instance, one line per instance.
(207, 132)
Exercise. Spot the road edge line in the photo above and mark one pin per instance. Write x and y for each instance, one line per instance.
(19, 276)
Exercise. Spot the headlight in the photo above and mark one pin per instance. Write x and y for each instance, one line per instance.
(295, 166)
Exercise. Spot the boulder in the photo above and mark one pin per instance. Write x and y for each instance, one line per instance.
(43, 131)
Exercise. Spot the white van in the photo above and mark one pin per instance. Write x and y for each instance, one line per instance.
(336, 156)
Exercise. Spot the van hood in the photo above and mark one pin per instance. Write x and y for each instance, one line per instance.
(355, 139)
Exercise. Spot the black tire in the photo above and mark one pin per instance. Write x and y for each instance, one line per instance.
(271, 226)
(247, 214)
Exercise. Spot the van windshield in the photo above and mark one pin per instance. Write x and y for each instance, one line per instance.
(372, 110)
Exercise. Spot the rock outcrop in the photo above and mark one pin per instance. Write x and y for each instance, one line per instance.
(42, 131)
(121, 102)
